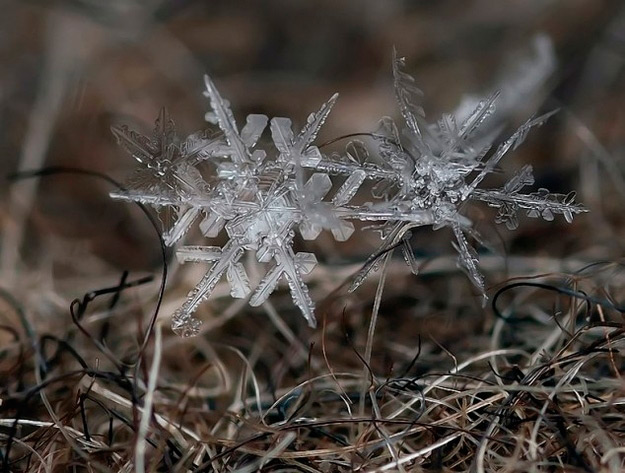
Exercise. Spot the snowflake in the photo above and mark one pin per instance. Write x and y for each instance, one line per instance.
(259, 202)
(426, 178)
(167, 176)
(261, 197)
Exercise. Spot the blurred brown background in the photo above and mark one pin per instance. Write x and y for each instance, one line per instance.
(68, 70)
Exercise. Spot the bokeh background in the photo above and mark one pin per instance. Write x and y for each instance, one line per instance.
(69, 70)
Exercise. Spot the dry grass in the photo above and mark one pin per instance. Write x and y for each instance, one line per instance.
(534, 384)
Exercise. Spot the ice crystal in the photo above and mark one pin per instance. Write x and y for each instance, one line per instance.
(259, 197)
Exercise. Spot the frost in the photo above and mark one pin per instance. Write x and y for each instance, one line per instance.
(259, 197)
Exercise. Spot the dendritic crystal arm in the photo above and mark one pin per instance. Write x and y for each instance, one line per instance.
(225, 120)
(292, 267)
(537, 204)
(295, 152)
(154, 152)
(406, 93)
(239, 143)
(223, 260)
(187, 215)
(467, 259)
(510, 144)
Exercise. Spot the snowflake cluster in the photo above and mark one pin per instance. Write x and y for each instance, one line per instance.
(422, 176)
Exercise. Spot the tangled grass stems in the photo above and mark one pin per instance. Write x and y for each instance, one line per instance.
(532, 411)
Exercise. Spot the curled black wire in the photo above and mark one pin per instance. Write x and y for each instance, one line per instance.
(59, 170)
(550, 287)
(21, 400)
